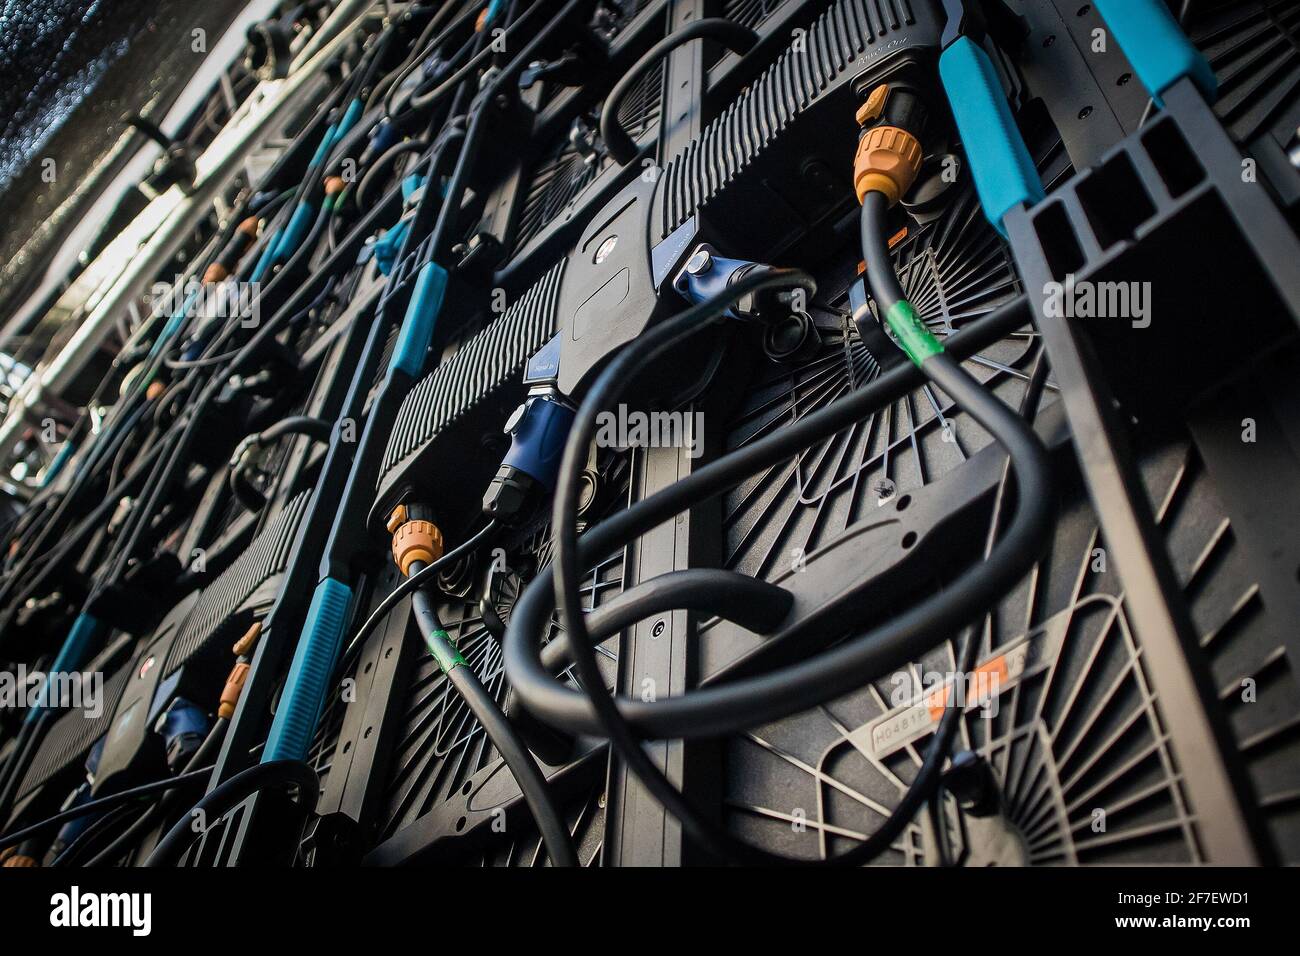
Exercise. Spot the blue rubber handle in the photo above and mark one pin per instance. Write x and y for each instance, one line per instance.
(1155, 44)
(1005, 174)
(313, 663)
(421, 317)
(76, 648)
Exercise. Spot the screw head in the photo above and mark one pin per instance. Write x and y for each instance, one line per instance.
(605, 249)
(699, 263)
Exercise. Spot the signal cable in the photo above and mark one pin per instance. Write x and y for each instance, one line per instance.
(518, 760)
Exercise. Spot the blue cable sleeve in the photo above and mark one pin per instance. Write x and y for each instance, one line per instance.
(76, 648)
(173, 323)
(267, 259)
(1156, 45)
(323, 149)
(345, 125)
(309, 673)
(421, 317)
(60, 459)
(1005, 174)
(294, 233)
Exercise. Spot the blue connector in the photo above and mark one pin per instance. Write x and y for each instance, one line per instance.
(538, 434)
(707, 274)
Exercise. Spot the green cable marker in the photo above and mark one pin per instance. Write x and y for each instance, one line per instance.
(445, 651)
(914, 338)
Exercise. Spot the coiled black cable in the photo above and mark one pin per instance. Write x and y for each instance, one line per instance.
(730, 707)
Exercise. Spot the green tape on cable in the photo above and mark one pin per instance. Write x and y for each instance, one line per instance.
(912, 335)
(445, 651)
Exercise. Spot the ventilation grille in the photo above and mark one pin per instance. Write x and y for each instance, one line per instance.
(1254, 48)
(1245, 649)
(749, 13)
(754, 120)
(267, 556)
(493, 358)
(954, 270)
(73, 733)
(586, 821)
(1074, 743)
(442, 746)
(565, 172)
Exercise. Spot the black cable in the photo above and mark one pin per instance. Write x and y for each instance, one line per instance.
(380, 163)
(103, 803)
(736, 37)
(568, 709)
(217, 803)
(941, 369)
(811, 682)
(122, 842)
(882, 280)
(77, 848)
(406, 587)
(518, 760)
(379, 90)
(316, 428)
(241, 485)
(424, 46)
(712, 837)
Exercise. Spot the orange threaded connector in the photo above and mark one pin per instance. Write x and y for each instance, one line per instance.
(887, 161)
(416, 541)
(334, 185)
(155, 390)
(18, 859)
(234, 687)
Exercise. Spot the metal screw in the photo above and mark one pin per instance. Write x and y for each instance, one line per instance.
(700, 262)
